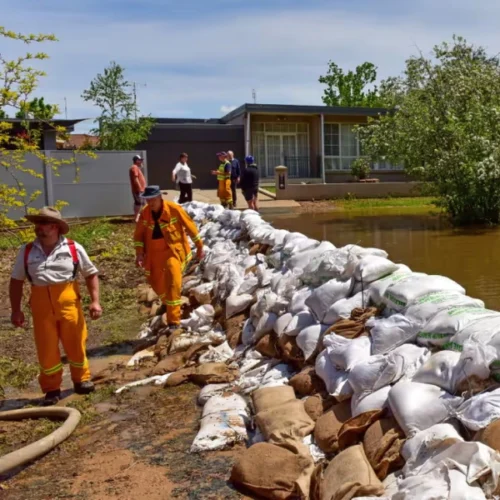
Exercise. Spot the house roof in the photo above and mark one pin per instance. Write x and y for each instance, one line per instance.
(78, 140)
(302, 109)
(46, 124)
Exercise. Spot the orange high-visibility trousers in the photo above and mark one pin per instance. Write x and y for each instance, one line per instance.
(165, 277)
(58, 316)
(224, 192)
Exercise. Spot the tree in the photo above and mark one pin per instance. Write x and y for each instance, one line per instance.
(445, 128)
(118, 128)
(350, 89)
(37, 109)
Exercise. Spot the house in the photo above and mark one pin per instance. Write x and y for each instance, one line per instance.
(77, 141)
(316, 143)
(48, 129)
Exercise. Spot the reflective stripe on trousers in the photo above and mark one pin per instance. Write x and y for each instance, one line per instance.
(58, 316)
(166, 278)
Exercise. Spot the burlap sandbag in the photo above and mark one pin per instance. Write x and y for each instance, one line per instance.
(307, 383)
(214, 373)
(490, 435)
(288, 420)
(290, 351)
(174, 362)
(180, 377)
(267, 346)
(317, 405)
(353, 430)
(382, 444)
(328, 426)
(350, 475)
(269, 397)
(234, 330)
(353, 327)
(275, 472)
(315, 492)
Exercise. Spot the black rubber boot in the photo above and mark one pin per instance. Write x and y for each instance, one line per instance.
(84, 387)
(52, 398)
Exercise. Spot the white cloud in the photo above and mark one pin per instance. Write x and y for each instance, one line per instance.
(227, 109)
(193, 70)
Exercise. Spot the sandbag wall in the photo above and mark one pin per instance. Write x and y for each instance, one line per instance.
(351, 376)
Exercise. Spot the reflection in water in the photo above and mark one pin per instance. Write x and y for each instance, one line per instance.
(423, 242)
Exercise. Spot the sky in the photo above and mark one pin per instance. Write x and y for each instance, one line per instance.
(202, 58)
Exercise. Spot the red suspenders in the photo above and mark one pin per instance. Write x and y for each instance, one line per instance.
(72, 249)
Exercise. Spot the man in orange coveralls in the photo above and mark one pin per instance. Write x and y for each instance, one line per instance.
(163, 250)
(223, 174)
(51, 263)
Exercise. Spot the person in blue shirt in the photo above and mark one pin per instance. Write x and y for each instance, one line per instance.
(235, 174)
(250, 183)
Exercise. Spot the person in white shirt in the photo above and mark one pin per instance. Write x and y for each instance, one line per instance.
(182, 175)
(51, 264)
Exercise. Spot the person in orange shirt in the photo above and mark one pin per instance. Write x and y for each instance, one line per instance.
(163, 250)
(137, 184)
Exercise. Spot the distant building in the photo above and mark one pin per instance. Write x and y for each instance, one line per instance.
(316, 143)
(78, 141)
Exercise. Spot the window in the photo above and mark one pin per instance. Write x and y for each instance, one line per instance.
(342, 148)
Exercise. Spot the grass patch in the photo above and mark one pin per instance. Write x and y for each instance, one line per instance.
(86, 404)
(384, 203)
(271, 189)
(16, 373)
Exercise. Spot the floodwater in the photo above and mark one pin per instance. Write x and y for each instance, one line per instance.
(424, 242)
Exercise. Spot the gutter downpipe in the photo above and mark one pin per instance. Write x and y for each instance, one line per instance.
(247, 134)
(322, 142)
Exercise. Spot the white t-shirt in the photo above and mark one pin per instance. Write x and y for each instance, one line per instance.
(52, 269)
(183, 173)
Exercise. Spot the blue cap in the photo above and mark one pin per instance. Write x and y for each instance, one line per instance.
(151, 192)
(250, 159)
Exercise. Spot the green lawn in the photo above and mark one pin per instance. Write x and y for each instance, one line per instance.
(424, 202)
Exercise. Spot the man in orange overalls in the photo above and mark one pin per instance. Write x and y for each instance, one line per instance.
(51, 263)
(223, 174)
(163, 250)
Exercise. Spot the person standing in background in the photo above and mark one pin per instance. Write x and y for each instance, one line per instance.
(235, 174)
(182, 175)
(137, 184)
(223, 174)
(250, 183)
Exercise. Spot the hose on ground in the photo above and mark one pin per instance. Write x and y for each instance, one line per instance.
(42, 446)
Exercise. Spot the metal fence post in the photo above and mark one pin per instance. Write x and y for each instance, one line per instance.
(48, 180)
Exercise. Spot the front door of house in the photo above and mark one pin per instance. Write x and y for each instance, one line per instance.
(281, 149)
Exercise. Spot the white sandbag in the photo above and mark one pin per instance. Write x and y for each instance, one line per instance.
(378, 288)
(427, 444)
(249, 285)
(146, 381)
(298, 300)
(363, 402)
(229, 279)
(248, 332)
(265, 325)
(217, 354)
(308, 339)
(480, 410)
(236, 304)
(343, 307)
(389, 333)
(299, 322)
(201, 316)
(372, 268)
(400, 295)
(336, 381)
(203, 293)
(419, 406)
(439, 370)
(276, 375)
(324, 296)
(264, 275)
(285, 283)
(297, 242)
(448, 322)
(428, 305)
(140, 356)
(222, 424)
(303, 258)
(440, 483)
(211, 390)
(347, 353)
(281, 324)
(275, 260)
(475, 361)
(382, 370)
(482, 330)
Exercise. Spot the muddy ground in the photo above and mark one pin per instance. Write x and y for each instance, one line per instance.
(133, 445)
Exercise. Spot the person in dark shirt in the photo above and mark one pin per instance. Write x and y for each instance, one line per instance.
(235, 174)
(250, 183)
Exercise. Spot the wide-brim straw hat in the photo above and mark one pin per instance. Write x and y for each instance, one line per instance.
(49, 215)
